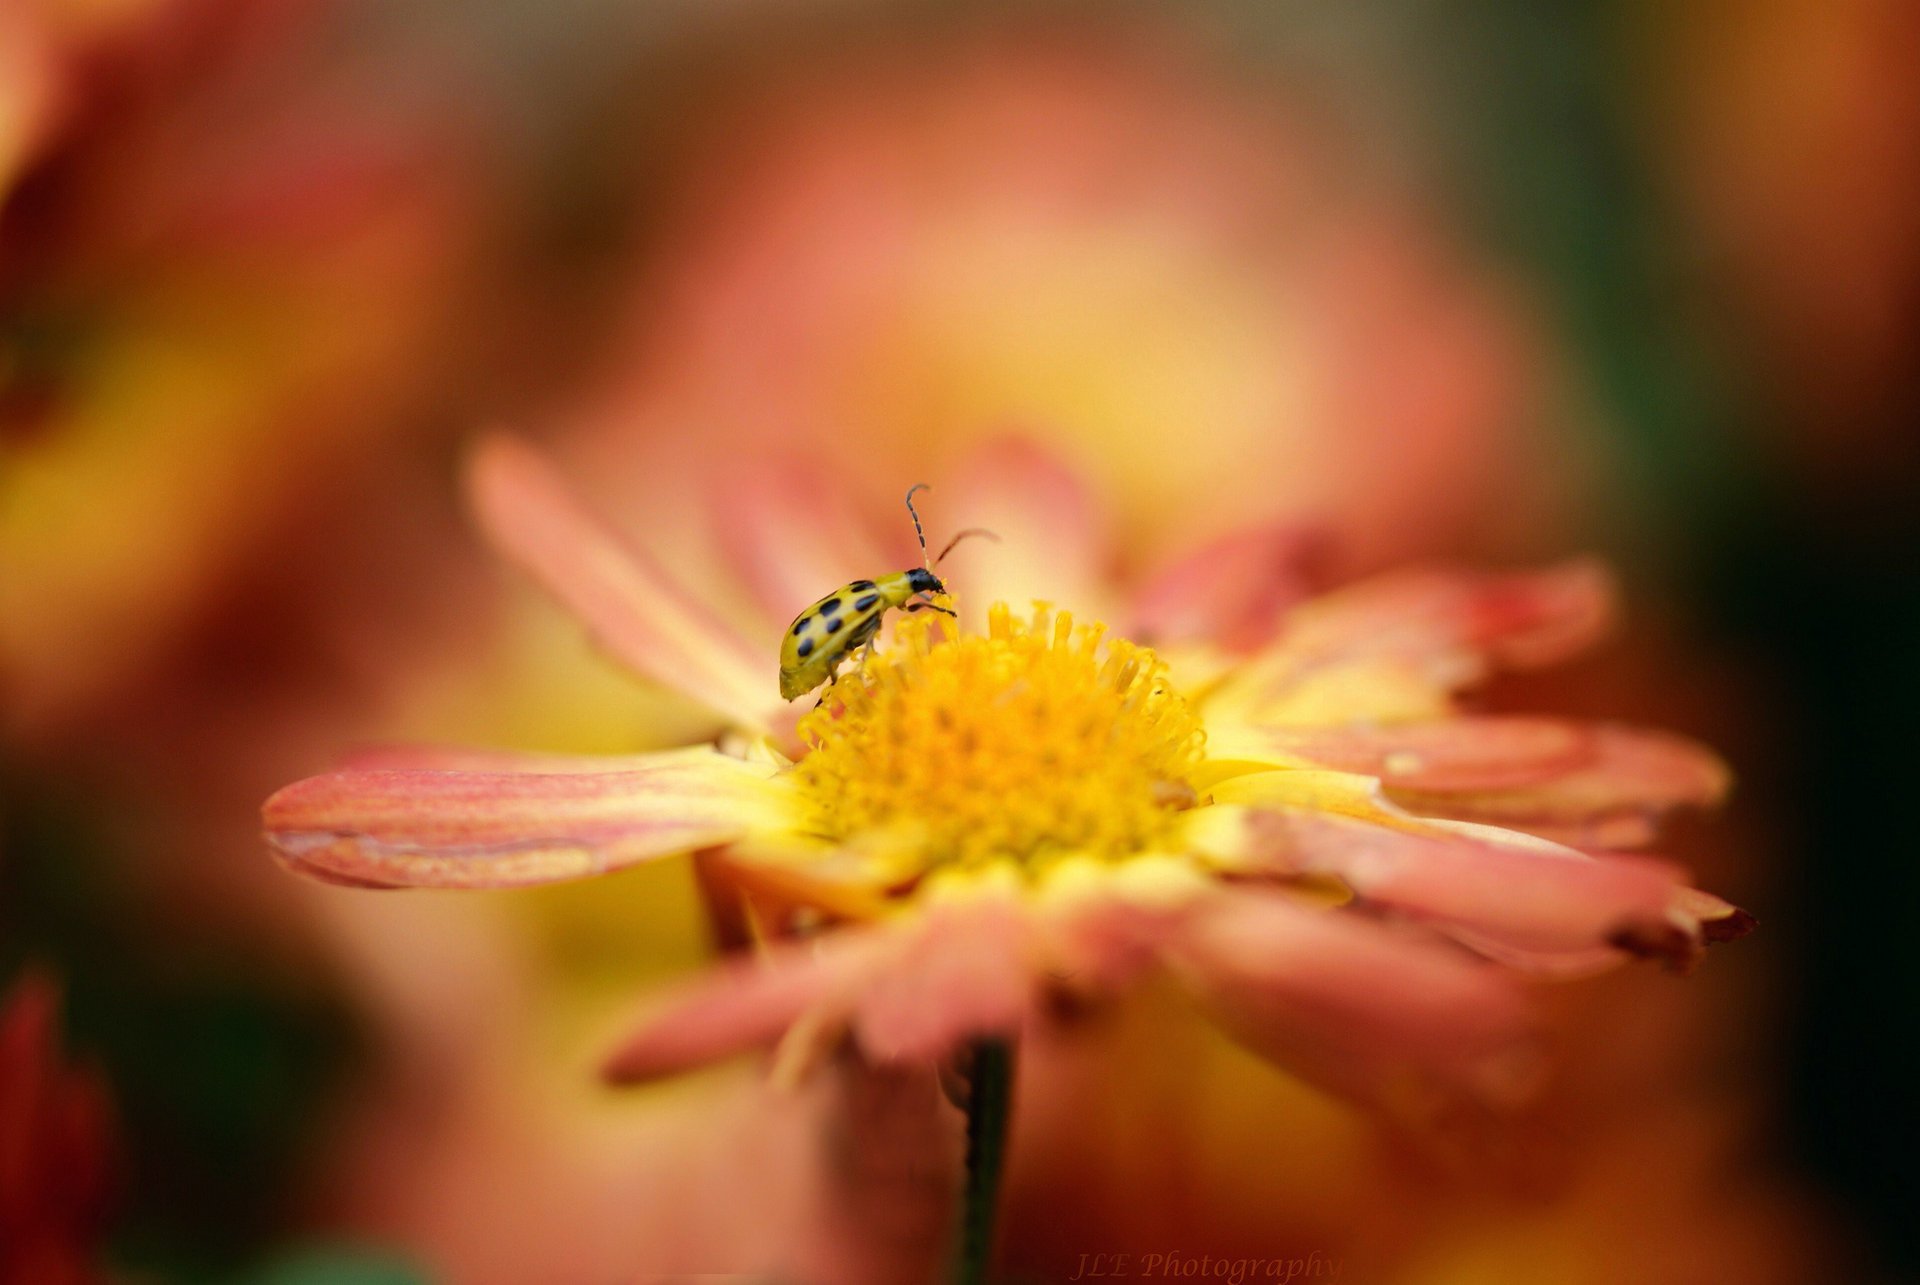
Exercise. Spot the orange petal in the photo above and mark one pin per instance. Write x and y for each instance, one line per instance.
(1462, 753)
(1616, 800)
(743, 1005)
(1052, 543)
(791, 529)
(1347, 1003)
(632, 607)
(438, 829)
(1232, 591)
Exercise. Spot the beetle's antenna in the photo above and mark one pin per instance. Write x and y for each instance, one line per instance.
(918, 531)
(972, 530)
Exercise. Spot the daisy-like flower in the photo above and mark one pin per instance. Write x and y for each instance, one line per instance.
(1278, 800)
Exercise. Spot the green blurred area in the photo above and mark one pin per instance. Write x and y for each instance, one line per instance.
(223, 1069)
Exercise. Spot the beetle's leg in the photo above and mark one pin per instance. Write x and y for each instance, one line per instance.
(921, 604)
(833, 676)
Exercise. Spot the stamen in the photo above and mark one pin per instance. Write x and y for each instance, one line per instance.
(1039, 740)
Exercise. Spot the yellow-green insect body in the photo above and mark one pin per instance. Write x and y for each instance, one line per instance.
(841, 623)
(822, 637)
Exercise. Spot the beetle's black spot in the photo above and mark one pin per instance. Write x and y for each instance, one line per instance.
(866, 603)
(800, 625)
(833, 626)
(806, 648)
(830, 606)
(859, 586)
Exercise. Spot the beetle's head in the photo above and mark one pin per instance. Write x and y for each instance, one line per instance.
(924, 581)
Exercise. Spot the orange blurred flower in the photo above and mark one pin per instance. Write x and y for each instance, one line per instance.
(223, 283)
(906, 244)
(998, 821)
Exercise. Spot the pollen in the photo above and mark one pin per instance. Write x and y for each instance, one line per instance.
(1038, 740)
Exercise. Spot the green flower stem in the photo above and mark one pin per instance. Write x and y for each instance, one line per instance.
(989, 1108)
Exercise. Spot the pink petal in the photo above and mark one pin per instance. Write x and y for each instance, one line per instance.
(1052, 542)
(1464, 753)
(1104, 942)
(1448, 629)
(632, 607)
(1534, 897)
(1231, 592)
(1520, 620)
(1616, 800)
(742, 1005)
(791, 529)
(435, 829)
(1348, 1003)
(962, 972)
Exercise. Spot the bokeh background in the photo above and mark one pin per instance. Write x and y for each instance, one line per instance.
(1448, 278)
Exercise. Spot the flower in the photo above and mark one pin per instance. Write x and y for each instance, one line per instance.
(988, 823)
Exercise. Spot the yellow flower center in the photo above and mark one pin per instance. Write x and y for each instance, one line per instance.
(1042, 738)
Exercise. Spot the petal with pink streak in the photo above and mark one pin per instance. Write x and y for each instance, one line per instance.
(1452, 754)
(961, 972)
(1545, 899)
(631, 606)
(1232, 591)
(791, 529)
(1617, 799)
(1439, 628)
(1052, 540)
(1529, 902)
(462, 829)
(744, 1005)
(1352, 1005)
(464, 758)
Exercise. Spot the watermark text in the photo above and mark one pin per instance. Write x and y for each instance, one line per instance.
(1208, 1267)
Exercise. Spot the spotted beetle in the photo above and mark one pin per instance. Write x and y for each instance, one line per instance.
(822, 637)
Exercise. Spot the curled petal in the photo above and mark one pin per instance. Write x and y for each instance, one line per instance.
(1350, 1004)
(1617, 799)
(1231, 592)
(1697, 920)
(632, 607)
(791, 529)
(1051, 545)
(438, 829)
(1720, 921)
(1463, 753)
(1524, 900)
(1487, 886)
(746, 1004)
(1431, 631)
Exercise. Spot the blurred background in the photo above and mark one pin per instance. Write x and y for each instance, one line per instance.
(1451, 278)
